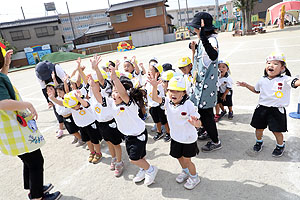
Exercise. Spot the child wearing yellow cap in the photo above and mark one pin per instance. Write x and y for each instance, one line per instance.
(155, 110)
(274, 95)
(183, 120)
(185, 65)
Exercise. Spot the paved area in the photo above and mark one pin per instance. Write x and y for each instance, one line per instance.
(230, 173)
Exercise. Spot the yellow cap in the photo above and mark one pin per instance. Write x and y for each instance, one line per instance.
(167, 75)
(51, 84)
(73, 79)
(224, 61)
(177, 83)
(104, 75)
(70, 100)
(158, 67)
(276, 56)
(126, 74)
(3, 51)
(185, 61)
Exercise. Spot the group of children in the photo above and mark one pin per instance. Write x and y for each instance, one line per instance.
(111, 105)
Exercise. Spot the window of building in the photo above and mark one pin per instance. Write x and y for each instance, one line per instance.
(20, 35)
(259, 1)
(44, 31)
(196, 11)
(150, 12)
(210, 9)
(190, 12)
(66, 29)
(55, 28)
(204, 10)
(82, 18)
(120, 18)
(99, 16)
(64, 20)
(129, 14)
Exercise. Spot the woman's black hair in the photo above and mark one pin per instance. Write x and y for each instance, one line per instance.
(286, 71)
(208, 33)
(1, 58)
(136, 94)
(55, 95)
(60, 87)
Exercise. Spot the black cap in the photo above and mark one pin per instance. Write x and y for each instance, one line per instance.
(44, 69)
(167, 66)
(196, 23)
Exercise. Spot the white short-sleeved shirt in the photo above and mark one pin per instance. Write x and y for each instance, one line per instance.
(84, 116)
(103, 112)
(189, 83)
(275, 92)
(61, 110)
(225, 83)
(180, 129)
(127, 118)
(137, 79)
(59, 72)
(149, 89)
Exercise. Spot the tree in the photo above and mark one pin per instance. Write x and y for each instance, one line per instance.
(246, 7)
(8, 45)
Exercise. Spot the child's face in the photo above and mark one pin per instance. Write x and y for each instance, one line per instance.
(60, 93)
(106, 69)
(274, 68)
(176, 96)
(223, 69)
(165, 84)
(128, 67)
(50, 90)
(152, 71)
(116, 96)
(187, 69)
(73, 86)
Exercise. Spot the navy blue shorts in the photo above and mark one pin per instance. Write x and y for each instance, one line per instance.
(135, 147)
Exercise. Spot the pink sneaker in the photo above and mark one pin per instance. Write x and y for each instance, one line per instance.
(119, 169)
(59, 134)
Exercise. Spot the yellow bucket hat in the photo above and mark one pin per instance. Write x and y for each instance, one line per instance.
(51, 84)
(158, 67)
(126, 74)
(185, 61)
(224, 62)
(167, 75)
(276, 56)
(70, 100)
(177, 83)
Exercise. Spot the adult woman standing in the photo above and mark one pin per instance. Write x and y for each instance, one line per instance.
(205, 75)
(19, 135)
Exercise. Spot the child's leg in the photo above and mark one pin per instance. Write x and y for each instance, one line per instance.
(97, 148)
(141, 163)
(187, 163)
(167, 128)
(279, 137)
(118, 151)
(158, 127)
(90, 146)
(217, 109)
(222, 107)
(230, 108)
(77, 135)
(111, 149)
(61, 126)
(259, 133)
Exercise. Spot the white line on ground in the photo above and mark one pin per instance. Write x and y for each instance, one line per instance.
(234, 50)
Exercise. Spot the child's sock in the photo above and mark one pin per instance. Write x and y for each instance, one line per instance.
(194, 176)
(186, 170)
(150, 170)
(280, 145)
(259, 140)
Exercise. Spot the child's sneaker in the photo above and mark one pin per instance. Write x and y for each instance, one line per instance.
(153, 129)
(182, 177)
(80, 143)
(75, 140)
(119, 169)
(210, 146)
(230, 115)
(113, 164)
(223, 113)
(59, 134)
(158, 136)
(278, 151)
(139, 176)
(149, 177)
(91, 157)
(97, 158)
(258, 146)
(52, 196)
(46, 189)
(191, 183)
(167, 137)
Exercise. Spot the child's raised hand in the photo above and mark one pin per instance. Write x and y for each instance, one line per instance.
(242, 84)
(7, 58)
(91, 80)
(141, 65)
(78, 61)
(153, 80)
(53, 76)
(195, 121)
(78, 95)
(117, 62)
(66, 78)
(113, 74)
(95, 61)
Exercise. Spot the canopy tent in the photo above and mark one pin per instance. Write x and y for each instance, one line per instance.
(291, 7)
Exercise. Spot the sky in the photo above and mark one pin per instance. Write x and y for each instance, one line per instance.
(11, 10)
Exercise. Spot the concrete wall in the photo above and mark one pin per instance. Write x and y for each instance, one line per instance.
(55, 40)
(138, 20)
(261, 7)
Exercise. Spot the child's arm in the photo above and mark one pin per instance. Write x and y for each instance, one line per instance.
(246, 85)
(153, 81)
(297, 83)
(117, 63)
(195, 121)
(136, 67)
(225, 94)
(120, 88)
(55, 100)
(143, 68)
(95, 62)
(81, 101)
(80, 70)
(96, 92)
(54, 79)
(7, 61)
(66, 87)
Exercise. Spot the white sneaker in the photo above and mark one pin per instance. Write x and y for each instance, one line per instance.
(182, 177)
(59, 134)
(153, 129)
(149, 177)
(139, 176)
(192, 182)
(80, 143)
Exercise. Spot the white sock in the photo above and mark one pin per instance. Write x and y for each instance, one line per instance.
(150, 170)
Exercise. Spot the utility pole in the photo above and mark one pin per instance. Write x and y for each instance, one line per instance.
(217, 10)
(23, 12)
(179, 13)
(187, 13)
(71, 24)
(108, 3)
